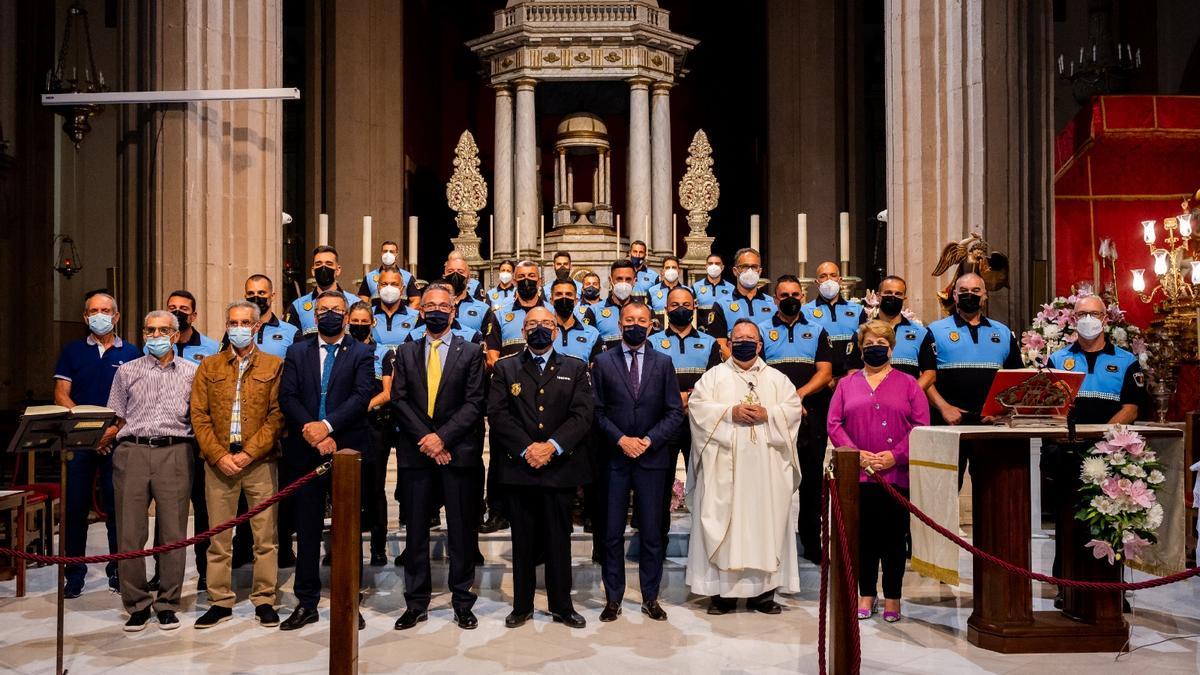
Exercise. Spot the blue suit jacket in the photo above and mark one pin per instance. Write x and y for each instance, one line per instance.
(351, 386)
(656, 413)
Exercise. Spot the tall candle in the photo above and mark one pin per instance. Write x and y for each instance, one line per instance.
(517, 242)
(802, 237)
(674, 232)
(542, 234)
(412, 243)
(366, 237)
(844, 217)
(754, 231)
(323, 230)
(491, 237)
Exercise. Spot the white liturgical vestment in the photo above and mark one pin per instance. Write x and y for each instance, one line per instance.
(743, 540)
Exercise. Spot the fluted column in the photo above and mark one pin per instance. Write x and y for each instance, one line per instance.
(502, 178)
(606, 157)
(660, 141)
(526, 167)
(639, 191)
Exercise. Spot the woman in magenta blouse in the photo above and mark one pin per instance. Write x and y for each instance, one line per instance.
(873, 410)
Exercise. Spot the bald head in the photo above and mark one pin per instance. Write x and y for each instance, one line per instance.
(454, 255)
(828, 270)
(1089, 304)
(538, 314)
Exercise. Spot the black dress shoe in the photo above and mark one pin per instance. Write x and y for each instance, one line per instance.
(766, 607)
(653, 610)
(137, 621)
(167, 620)
(611, 611)
(70, 592)
(301, 616)
(267, 616)
(717, 608)
(213, 616)
(493, 524)
(286, 558)
(514, 620)
(202, 584)
(400, 559)
(378, 559)
(362, 623)
(466, 619)
(410, 618)
(570, 619)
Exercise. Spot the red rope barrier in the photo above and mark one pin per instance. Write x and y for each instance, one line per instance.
(164, 548)
(1021, 571)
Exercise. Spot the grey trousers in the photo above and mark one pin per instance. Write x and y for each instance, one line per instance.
(142, 474)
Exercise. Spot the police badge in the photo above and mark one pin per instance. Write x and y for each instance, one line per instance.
(1069, 364)
(774, 334)
(818, 313)
(308, 306)
(515, 389)
(606, 312)
(733, 307)
(508, 317)
(666, 343)
(954, 336)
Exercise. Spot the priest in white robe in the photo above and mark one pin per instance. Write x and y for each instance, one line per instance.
(745, 418)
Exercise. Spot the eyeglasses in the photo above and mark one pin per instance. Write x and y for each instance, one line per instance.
(1094, 315)
(530, 325)
(439, 308)
(239, 324)
(325, 310)
(151, 332)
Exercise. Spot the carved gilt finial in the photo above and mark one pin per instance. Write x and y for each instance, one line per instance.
(698, 189)
(466, 194)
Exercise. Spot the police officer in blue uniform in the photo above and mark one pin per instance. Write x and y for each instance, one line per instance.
(394, 318)
(361, 319)
(575, 337)
(590, 295)
(471, 313)
(656, 296)
(692, 352)
(325, 270)
(510, 316)
(747, 301)
(562, 270)
(712, 287)
(801, 349)
(622, 279)
(839, 317)
(388, 253)
(273, 336)
(646, 277)
(913, 353)
(505, 289)
(474, 290)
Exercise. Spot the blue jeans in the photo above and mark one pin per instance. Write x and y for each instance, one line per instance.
(81, 473)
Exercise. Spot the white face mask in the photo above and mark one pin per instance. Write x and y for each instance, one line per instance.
(506, 278)
(713, 270)
(1089, 327)
(671, 275)
(748, 279)
(622, 290)
(390, 295)
(388, 258)
(829, 289)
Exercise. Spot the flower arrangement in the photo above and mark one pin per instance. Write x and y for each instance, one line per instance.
(1054, 328)
(1121, 477)
(677, 496)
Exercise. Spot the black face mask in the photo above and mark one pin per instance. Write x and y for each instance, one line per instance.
(789, 306)
(360, 331)
(436, 322)
(591, 292)
(745, 350)
(527, 289)
(681, 316)
(563, 307)
(323, 276)
(183, 319)
(634, 336)
(637, 262)
(562, 272)
(329, 324)
(891, 305)
(457, 281)
(875, 355)
(539, 338)
(264, 304)
(968, 303)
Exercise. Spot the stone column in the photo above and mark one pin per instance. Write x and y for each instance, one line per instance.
(638, 195)
(660, 138)
(607, 176)
(967, 141)
(502, 174)
(526, 167)
(218, 197)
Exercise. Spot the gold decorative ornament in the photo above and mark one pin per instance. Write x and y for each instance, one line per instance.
(612, 57)
(466, 194)
(583, 57)
(972, 255)
(550, 57)
(699, 192)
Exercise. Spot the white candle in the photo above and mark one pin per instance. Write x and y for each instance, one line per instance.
(517, 242)
(844, 217)
(674, 233)
(366, 237)
(754, 231)
(542, 234)
(491, 237)
(323, 230)
(802, 237)
(412, 242)
(618, 236)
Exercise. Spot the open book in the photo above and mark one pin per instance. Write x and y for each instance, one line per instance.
(63, 411)
(49, 427)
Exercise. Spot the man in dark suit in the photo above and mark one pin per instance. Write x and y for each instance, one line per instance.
(539, 412)
(638, 411)
(438, 393)
(326, 386)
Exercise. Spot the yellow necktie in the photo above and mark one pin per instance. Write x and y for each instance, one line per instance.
(434, 370)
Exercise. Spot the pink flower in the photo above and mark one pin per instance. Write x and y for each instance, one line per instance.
(1122, 437)
(1140, 494)
(1101, 549)
(1133, 545)
(1104, 448)
(1034, 340)
(1111, 487)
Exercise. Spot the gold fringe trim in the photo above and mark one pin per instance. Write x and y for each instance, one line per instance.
(942, 574)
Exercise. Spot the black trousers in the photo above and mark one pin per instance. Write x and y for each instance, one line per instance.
(423, 489)
(84, 467)
(374, 493)
(495, 500)
(285, 511)
(681, 444)
(810, 448)
(310, 527)
(541, 530)
(199, 512)
(647, 486)
(882, 537)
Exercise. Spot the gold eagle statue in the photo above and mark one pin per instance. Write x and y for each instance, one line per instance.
(972, 255)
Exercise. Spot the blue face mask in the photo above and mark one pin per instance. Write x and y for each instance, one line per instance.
(240, 336)
(100, 324)
(158, 346)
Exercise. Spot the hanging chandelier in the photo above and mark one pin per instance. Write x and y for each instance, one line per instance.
(62, 80)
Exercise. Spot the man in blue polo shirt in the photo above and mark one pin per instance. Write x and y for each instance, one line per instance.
(83, 376)
(389, 251)
(273, 336)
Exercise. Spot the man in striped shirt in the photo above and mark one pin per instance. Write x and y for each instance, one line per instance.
(152, 461)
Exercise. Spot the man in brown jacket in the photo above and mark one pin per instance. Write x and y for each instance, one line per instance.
(237, 421)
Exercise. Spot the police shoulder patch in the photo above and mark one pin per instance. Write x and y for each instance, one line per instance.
(954, 336)
(774, 335)
(704, 290)
(1139, 379)
(818, 312)
(375, 277)
(308, 306)
(660, 295)
(666, 343)
(1069, 363)
(606, 312)
(733, 306)
(849, 348)
(508, 317)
